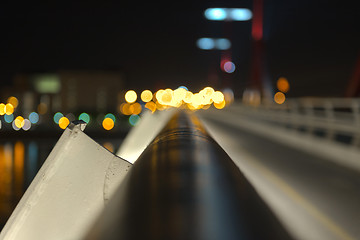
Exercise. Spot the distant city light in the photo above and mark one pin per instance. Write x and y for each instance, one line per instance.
(229, 67)
(13, 101)
(205, 43)
(2, 109)
(57, 117)
(108, 124)
(85, 117)
(130, 96)
(64, 122)
(134, 119)
(111, 116)
(9, 118)
(146, 96)
(215, 14)
(283, 84)
(228, 14)
(27, 125)
(279, 98)
(222, 43)
(240, 14)
(9, 109)
(19, 121)
(34, 117)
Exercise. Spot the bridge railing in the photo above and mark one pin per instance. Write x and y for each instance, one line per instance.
(331, 118)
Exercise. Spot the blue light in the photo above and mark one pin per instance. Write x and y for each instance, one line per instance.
(222, 43)
(57, 117)
(240, 14)
(110, 115)
(205, 43)
(134, 119)
(34, 117)
(229, 67)
(215, 14)
(9, 118)
(184, 88)
(85, 117)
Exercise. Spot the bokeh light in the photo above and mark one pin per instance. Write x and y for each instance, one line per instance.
(2, 109)
(111, 116)
(13, 101)
(42, 108)
(283, 85)
(19, 121)
(9, 109)
(135, 108)
(34, 117)
(64, 122)
(220, 105)
(130, 96)
(85, 117)
(151, 106)
(16, 128)
(215, 14)
(125, 109)
(205, 43)
(279, 98)
(134, 119)
(27, 125)
(146, 96)
(229, 67)
(108, 124)
(9, 118)
(57, 117)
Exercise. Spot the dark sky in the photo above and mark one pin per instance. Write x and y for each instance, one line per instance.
(313, 43)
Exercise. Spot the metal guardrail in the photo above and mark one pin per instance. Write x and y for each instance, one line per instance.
(326, 117)
(184, 186)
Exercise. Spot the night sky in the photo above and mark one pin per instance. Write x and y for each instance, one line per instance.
(314, 44)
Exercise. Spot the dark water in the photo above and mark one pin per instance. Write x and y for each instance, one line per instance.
(19, 163)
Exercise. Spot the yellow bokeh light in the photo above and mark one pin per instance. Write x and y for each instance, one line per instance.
(283, 85)
(126, 109)
(220, 105)
(179, 94)
(19, 121)
(136, 108)
(158, 94)
(9, 109)
(151, 106)
(2, 109)
(146, 96)
(218, 97)
(13, 101)
(188, 97)
(42, 108)
(64, 122)
(279, 98)
(130, 96)
(167, 97)
(108, 124)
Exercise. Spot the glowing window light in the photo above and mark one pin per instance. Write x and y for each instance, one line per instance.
(13, 101)
(9, 109)
(229, 67)
(85, 117)
(57, 117)
(146, 96)
(64, 122)
(2, 109)
(220, 105)
(205, 43)
(240, 14)
(134, 119)
(218, 97)
(16, 128)
(27, 125)
(111, 116)
(215, 14)
(9, 118)
(19, 121)
(279, 98)
(108, 124)
(283, 84)
(222, 43)
(151, 106)
(130, 96)
(34, 117)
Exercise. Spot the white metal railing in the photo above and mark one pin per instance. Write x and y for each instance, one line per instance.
(333, 118)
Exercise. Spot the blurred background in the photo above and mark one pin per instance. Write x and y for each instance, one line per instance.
(63, 61)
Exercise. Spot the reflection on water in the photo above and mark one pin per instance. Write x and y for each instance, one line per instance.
(19, 163)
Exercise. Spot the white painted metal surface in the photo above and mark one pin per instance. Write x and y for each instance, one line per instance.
(68, 192)
(143, 133)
